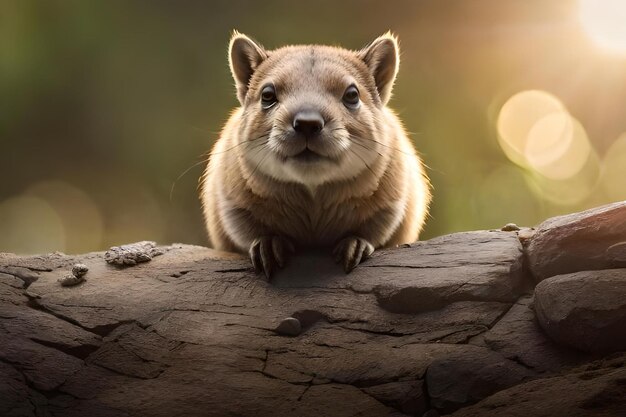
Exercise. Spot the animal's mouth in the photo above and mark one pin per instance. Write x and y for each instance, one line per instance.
(308, 156)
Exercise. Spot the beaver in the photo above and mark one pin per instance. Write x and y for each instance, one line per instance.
(313, 157)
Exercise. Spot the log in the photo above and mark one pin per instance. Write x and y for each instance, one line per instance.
(437, 327)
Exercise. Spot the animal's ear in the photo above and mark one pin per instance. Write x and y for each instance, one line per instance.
(382, 57)
(244, 57)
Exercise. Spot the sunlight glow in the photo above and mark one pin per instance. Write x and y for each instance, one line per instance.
(605, 22)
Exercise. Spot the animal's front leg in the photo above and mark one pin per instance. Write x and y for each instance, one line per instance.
(351, 251)
(268, 253)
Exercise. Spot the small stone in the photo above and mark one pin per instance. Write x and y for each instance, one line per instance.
(132, 254)
(510, 227)
(69, 280)
(289, 327)
(525, 235)
(79, 270)
(156, 252)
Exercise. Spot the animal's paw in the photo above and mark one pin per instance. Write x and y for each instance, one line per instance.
(351, 251)
(268, 253)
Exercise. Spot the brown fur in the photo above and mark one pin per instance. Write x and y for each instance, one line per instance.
(373, 187)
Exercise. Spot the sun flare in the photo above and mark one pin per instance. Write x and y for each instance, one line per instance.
(605, 22)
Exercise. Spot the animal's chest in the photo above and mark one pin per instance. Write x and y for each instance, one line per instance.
(315, 222)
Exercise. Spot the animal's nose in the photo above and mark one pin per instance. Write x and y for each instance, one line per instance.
(308, 123)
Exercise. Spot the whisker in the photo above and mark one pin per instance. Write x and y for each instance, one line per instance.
(206, 159)
(363, 160)
(260, 162)
(367, 128)
(368, 148)
(381, 144)
(247, 142)
(183, 174)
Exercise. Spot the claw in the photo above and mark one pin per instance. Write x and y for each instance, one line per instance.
(351, 251)
(254, 255)
(269, 252)
(278, 249)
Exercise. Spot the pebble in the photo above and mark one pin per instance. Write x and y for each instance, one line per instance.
(510, 227)
(289, 327)
(79, 270)
(132, 254)
(70, 280)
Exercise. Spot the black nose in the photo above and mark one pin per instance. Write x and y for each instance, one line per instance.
(308, 123)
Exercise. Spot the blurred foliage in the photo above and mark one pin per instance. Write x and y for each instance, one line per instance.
(103, 104)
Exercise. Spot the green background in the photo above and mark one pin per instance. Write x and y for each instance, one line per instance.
(103, 104)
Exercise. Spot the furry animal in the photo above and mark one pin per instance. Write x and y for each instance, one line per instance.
(313, 157)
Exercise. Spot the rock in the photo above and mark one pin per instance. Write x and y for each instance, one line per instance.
(26, 275)
(76, 277)
(510, 227)
(585, 310)
(11, 290)
(192, 332)
(23, 322)
(78, 270)
(289, 327)
(577, 242)
(617, 253)
(14, 393)
(468, 376)
(132, 254)
(596, 391)
(517, 336)
(69, 280)
(525, 235)
(349, 401)
(405, 396)
(472, 266)
(44, 368)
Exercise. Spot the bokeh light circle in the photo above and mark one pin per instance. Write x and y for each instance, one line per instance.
(518, 116)
(572, 190)
(536, 131)
(30, 224)
(557, 146)
(605, 22)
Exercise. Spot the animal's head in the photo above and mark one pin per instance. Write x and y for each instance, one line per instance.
(313, 114)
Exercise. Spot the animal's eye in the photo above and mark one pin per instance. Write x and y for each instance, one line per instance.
(351, 97)
(268, 96)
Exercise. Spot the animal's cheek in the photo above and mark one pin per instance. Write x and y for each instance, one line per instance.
(253, 127)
